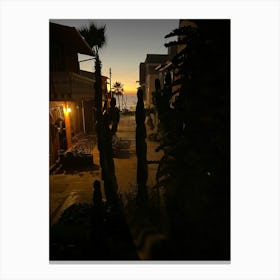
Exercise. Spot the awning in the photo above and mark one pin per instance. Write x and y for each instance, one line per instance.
(69, 35)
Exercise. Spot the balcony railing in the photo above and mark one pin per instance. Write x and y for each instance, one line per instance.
(70, 86)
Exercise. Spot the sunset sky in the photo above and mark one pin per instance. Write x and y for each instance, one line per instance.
(128, 43)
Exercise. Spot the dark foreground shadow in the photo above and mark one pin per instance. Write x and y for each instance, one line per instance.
(85, 232)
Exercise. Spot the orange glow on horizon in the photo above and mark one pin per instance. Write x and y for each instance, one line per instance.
(130, 92)
(127, 91)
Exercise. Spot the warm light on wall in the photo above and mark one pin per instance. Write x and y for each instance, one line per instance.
(67, 109)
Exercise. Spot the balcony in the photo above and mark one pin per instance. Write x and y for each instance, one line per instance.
(70, 86)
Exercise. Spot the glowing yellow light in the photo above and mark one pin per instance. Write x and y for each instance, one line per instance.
(66, 110)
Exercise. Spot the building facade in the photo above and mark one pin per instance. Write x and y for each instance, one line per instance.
(148, 74)
(71, 108)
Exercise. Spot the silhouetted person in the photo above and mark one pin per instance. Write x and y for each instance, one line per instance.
(60, 125)
(114, 116)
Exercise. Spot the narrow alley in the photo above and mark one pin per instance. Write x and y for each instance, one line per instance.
(77, 187)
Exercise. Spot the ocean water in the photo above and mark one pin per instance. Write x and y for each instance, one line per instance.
(131, 99)
(128, 101)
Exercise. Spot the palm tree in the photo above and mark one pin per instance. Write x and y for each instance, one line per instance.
(94, 36)
(118, 91)
(96, 39)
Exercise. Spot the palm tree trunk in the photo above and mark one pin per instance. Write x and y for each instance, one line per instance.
(119, 101)
(104, 139)
(98, 91)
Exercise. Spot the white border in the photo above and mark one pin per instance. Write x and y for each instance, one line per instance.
(254, 130)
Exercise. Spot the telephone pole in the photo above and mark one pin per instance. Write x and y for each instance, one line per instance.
(110, 73)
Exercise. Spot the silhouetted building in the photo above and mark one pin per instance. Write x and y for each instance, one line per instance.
(148, 74)
(70, 92)
(166, 66)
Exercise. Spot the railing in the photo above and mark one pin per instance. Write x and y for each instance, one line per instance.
(70, 86)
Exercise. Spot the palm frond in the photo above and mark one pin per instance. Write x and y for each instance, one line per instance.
(93, 35)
